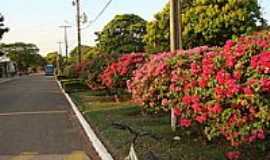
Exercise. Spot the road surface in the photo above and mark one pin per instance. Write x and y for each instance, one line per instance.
(36, 122)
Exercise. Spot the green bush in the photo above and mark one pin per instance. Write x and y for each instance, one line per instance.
(96, 66)
(71, 86)
(70, 72)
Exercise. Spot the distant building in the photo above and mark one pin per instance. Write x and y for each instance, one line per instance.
(7, 67)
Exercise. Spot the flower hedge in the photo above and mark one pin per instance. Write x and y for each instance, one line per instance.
(117, 73)
(226, 90)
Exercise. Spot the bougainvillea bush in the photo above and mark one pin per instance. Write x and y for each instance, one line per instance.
(225, 90)
(116, 75)
(150, 85)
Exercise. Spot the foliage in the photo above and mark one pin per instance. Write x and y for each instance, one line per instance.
(116, 75)
(2, 29)
(70, 71)
(82, 70)
(157, 38)
(224, 18)
(51, 58)
(96, 66)
(149, 83)
(25, 55)
(123, 34)
(78, 71)
(71, 86)
(225, 90)
(101, 111)
(88, 53)
(205, 22)
(158, 32)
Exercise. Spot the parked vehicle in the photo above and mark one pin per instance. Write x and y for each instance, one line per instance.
(49, 70)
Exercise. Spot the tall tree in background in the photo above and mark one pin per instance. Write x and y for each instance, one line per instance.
(25, 55)
(123, 34)
(205, 22)
(2, 28)
(88, 52)
(51, 58)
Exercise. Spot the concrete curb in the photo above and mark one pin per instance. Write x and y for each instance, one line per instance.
(97, 144)
(7, 80)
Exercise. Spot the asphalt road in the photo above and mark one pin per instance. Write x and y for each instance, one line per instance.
(36, 122)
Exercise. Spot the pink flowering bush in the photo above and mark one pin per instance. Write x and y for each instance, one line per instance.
(116, 75)
(225, 90)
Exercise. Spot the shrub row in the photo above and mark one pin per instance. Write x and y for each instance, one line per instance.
(225, 90)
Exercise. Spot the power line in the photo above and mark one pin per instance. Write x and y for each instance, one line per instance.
(98, 15)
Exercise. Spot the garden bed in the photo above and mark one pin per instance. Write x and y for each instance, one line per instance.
(101, 111)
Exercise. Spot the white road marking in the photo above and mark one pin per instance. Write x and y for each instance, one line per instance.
(31, 113)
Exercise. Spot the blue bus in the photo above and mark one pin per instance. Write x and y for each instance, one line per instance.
(49, 70)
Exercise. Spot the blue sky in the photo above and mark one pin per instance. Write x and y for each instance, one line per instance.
(37, 21)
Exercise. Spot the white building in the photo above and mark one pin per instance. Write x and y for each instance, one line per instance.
(7, 67)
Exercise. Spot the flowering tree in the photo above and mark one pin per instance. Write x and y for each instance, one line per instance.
(226, 90)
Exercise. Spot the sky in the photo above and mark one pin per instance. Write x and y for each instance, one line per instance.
(38, 21)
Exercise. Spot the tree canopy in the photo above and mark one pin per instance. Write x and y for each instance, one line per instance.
(51, 58)
(2, 28)
(205, 22)
(88, 52)
(25, 55)
(123, 34)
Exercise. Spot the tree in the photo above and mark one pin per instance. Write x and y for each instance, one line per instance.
(51, 58)
(123, 34)
(88, 52)
(25, 55)
(2, 28)
(205, 22)
(158, 32)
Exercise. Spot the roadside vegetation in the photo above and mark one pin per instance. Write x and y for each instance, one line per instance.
(218, 87)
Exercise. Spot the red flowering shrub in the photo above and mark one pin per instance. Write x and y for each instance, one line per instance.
(233, 155)
(151, 83)
(226, 90)
(115, 76)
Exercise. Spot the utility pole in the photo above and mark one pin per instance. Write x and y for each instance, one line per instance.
(174, 25)
(59, 58)
(174, 42)
(78, 18)
(65, 27)
(60, 47)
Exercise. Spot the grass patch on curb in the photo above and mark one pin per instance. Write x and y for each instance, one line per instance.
(100, 111)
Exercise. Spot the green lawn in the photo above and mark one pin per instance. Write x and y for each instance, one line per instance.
(101, 112)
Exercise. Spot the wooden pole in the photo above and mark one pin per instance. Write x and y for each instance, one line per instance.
(79, 30)
(174, 42)
(180, 24)
(174, 25)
